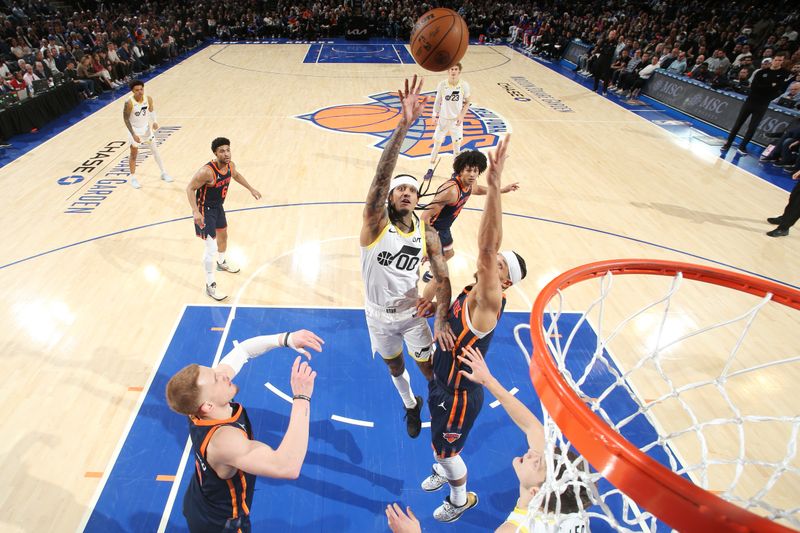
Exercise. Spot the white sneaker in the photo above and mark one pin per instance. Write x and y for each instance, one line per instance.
(227, 267)
(447, 512)
(212, 291)
(433, 482)
(135, 183)
(166, 177)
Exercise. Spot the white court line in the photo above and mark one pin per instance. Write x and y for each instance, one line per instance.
(512, 392)
(121, 442)
(354, 421)
(397, 54)
(319, 52)
(173, 492)
(278, 392)
(426, 424)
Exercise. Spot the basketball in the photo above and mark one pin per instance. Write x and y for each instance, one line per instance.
(439, 39)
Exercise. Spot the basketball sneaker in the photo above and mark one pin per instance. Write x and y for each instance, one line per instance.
(447, 512)
(227, 267)
(433, 482)
(166, 177)
(135, 183)
(413, 421)
(212, 291)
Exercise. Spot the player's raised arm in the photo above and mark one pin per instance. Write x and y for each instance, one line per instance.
(230, 446)
(375, 216)
(487, 290)
(441, 330)
(200, 178)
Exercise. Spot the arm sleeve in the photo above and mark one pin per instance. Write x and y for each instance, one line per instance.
(250, 348)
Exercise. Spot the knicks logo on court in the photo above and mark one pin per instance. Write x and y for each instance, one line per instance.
(451, 437)
(379, 117)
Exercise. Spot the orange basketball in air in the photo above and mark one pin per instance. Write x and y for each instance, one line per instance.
(439, 39)
(367, 118)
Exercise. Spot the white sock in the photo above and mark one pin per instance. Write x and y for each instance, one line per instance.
(208, 259)
(458, 495)
(456, 148)
(403, 385)
(221, 257)
(157, 156)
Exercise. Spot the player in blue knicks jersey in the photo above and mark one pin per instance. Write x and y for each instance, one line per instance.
(206, 193)
(227, 458)
(454, 402)
(393, 243)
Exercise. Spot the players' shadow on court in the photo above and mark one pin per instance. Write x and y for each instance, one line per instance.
(341, 440)
(701, 217)
(326, 523)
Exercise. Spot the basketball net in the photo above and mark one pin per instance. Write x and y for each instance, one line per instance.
(653, 485)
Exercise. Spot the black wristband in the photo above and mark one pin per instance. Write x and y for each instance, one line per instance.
(286, 340)
(302, 397)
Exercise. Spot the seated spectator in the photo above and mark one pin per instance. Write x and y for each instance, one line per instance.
(616, 77)
(792, 94)
(29, 76)
(619, 64)
(667, 59)
(742, 83)
(678, 66)
(788, 138)
(696, 67)
(4, 70)
(40, 71)
(85, 86)
(745, 53)
(644, 76)
(719, 79)
(718, 60)
(746, 65)
(49, 63)
(701, 73)
(18, 82)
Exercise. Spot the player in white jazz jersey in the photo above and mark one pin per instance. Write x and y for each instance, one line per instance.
(449, 110)
(138, 114)
(393, 242)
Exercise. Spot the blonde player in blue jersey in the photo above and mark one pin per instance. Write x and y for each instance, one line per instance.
(449, 110)
(393, 243)
(139, 115)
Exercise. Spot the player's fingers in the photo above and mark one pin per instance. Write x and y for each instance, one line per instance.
(295, 365)
(304, 352)
(410, 513)
(317, 337)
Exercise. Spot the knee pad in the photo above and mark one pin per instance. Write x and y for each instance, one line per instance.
(454, 467)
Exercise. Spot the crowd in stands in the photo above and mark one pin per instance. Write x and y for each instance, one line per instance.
(720, 44)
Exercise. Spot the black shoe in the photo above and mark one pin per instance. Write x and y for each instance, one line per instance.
(413, 421)
(775, 220)
(741, 150)
(778, 232)
(725, 148)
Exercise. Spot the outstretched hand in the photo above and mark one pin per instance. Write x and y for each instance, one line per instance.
(302, 378)
(302, 338)
(411, 102)
(443, 335)
(497, 159)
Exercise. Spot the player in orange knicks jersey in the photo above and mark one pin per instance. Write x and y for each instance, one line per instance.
(206, 193)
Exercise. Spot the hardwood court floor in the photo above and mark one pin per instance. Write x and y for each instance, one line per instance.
(86, 323)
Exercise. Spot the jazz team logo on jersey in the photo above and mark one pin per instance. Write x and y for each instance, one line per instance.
(379, 117)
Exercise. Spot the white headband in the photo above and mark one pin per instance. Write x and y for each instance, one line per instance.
(403, 179)
(514, 270)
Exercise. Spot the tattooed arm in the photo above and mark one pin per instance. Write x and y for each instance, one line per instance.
(441, 329)
(126, 116)
(375, 216)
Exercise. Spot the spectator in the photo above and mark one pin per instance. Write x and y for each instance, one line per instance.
(718, 60)
(792, 94)
(678, 66)
(644, 75)
(719, 80)
(18, 82)
(742, 83)
(29, 76)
